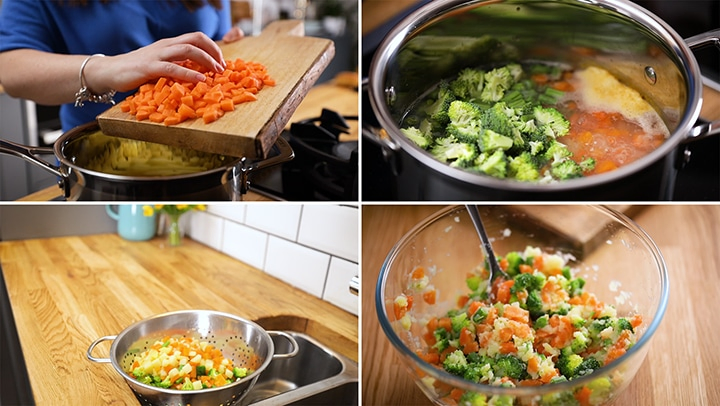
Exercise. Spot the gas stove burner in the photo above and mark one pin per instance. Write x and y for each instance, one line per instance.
(325, 167)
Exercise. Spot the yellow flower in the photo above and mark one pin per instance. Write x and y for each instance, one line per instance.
(182, 207)
(148, 211)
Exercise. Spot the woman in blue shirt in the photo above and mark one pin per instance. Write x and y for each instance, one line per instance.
(47, 47)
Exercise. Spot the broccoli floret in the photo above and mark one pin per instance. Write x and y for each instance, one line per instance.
(490, 141)
(455, 363)
(502, 400)
(527, 281)
(469, 84)
(541, 322)
(587, 164)
(449, 149)
(514, 260)
(437, 111)
(598, 325)
(187, 385)
(557, 152)
(442, 339)
(200, 370)
(567, 169)
(472, 399)
(516, 71)
(564, 398)
(534, 304)
(418, 137)
(465, 121)
(568, 363)
(501, 119)
(474, 372)
(579, 343)
(623, 324)
(601, 390)
(588, 365)
(240, 372)
(494, 164)
(497, 81)
(552, 120)
(523, 168)
(507, 365)
(575, 286)
(459, 321)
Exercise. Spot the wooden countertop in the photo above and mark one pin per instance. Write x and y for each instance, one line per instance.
(682, 362)
(67, 292)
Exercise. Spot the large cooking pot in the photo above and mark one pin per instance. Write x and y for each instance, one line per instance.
(225, 181)
(433, 43)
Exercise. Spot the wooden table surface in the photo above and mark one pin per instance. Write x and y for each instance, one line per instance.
(682, 362)
(66, 292)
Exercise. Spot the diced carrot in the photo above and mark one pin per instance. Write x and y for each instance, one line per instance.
(227, 105)
(504, 264)
(583, 396)
(418, 273)
(186, 111)
(429, 296)
(525, 268)
(503, 292)
(516, 313)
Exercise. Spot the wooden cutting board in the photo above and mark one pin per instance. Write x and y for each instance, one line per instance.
(293, 60)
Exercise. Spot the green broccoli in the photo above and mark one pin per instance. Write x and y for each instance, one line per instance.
(598, 325)
(567, 169)
(474, 372)
(459, 321)
(449, 149)
(187, 385)
(588, 365)
(541, 322)
(494, 164)
(527, 281)
(587, 164)
(465, 121)
(497, 81)
(623, 324)
(601, 389)
(479, 316)
(579, 343)
(564, 398)
(557, 152)
(502, 400)
(550, 96)
(240, 372)
(501, 119)
(534, 304)
(568, 363)
(455, 363)
(442, 339)
(523, 168)
(510, 366)
(200, 370)
(514, 260)
(490, 141)
(469, 84)
(472, 399)
(575, 286)
(554, 123)
(418, 137)
(437, 110)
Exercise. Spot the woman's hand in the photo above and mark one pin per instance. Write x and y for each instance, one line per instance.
(128, 71)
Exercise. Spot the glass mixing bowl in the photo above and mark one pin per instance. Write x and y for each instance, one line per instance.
(618, 260)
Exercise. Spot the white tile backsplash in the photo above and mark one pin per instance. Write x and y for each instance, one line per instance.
(337, 287)
(297, 265)
(313, 246)
(278, 219)
(332, 229)
(245, 244)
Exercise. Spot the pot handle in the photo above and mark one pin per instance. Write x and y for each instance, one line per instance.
(28, 153)
(295, 346)
(699, 41)
(92, 347)
(236, 177)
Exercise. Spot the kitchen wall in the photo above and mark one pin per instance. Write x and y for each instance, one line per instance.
(313, 247)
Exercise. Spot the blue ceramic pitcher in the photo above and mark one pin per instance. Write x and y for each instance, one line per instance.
(132, 224)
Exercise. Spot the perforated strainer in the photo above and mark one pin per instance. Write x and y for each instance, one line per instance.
(243, 342)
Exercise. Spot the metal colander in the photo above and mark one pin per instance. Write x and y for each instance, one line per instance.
(242, 341)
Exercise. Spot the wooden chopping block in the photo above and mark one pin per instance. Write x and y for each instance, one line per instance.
(293, 60)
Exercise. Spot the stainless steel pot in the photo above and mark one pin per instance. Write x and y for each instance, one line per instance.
(444, 36)
(226, 182)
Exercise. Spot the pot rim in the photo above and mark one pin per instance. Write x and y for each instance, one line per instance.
(435, 10)
(116, 365)
(643, 340)
(77, 133)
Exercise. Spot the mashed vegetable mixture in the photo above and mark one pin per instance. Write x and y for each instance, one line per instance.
(542, 327)
(185, 364)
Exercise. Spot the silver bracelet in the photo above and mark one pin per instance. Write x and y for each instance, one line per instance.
(84, 94)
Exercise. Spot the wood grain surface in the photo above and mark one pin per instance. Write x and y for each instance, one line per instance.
(682, 362)
(293, 60)
(67, 292)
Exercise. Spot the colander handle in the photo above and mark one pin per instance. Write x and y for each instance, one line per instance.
(92, 347)
(295, 347)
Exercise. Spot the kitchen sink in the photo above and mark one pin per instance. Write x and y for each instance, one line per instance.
(315, 376)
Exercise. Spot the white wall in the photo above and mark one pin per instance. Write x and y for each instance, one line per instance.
(313, 247)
